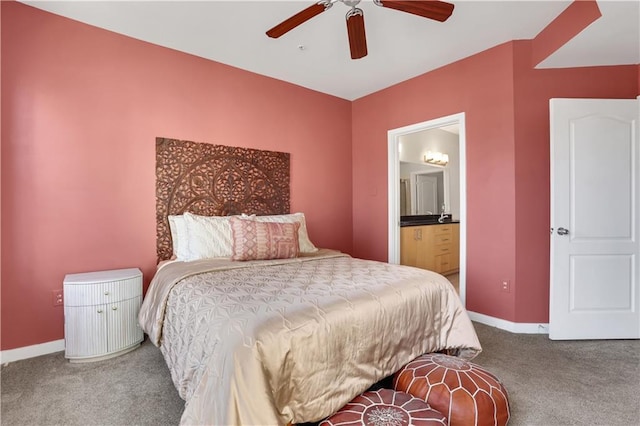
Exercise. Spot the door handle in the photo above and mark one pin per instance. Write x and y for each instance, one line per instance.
(563, 231)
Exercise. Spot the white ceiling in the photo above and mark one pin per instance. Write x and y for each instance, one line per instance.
(316, 54)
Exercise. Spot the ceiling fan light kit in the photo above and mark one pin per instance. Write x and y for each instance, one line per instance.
(432, 9)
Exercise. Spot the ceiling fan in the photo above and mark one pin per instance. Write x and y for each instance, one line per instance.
(437, 10)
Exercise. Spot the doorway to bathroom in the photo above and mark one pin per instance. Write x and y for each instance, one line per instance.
(411, 153)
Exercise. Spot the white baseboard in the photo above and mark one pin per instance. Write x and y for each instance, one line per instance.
(32, 351)
(513, 327)
(26, 352)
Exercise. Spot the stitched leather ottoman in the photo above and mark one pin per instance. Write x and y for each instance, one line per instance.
(464, 392)
(385, 407)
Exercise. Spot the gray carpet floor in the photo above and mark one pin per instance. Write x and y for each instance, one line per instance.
(549, 383)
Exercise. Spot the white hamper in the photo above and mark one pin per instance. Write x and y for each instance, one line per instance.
(101, 314)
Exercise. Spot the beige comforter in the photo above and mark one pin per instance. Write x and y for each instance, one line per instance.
(273, 342)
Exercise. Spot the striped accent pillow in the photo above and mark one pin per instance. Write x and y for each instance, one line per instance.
(306, 246)
(253, 240)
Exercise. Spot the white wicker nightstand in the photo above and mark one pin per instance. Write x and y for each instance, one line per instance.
(101, 314)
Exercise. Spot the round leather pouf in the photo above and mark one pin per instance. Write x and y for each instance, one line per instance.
(385, 407)
(464, 392)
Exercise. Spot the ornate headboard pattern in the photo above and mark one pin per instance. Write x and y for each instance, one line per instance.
(216, 180)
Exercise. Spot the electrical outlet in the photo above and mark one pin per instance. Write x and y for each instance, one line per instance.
(56, 297)
(505, 286)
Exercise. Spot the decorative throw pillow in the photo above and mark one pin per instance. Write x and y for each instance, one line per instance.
(253, 240)
(179, 237)
(306, 246)
(208, 236)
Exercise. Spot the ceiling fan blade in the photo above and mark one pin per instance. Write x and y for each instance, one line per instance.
(438, 10)
(299, 18)
(357, 36)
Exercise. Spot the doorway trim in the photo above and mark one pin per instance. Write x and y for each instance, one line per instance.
(393, 188)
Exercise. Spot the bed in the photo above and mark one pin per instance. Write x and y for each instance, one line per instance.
(280, 340)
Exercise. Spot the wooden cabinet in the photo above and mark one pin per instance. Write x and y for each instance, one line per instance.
(101, 314)
(433, 247)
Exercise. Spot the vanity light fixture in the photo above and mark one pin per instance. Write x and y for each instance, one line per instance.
(437, 158)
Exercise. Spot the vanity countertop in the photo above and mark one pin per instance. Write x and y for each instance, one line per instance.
(427, 219)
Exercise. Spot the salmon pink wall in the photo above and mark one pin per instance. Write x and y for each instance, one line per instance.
(505, 103)
(482, 87)
(575, 18)
(81, 108)
(533, 89)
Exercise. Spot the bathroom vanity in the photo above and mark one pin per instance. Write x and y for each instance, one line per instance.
(431, 245)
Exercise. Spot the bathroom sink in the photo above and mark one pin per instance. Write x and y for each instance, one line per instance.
(427, 219)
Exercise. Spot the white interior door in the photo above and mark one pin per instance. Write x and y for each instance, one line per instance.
(594, 219)
(427, 194)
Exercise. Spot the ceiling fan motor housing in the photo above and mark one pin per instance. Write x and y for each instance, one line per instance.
(351, 3)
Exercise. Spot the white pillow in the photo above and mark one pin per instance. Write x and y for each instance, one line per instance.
(208, 236)
(306, 246)
(179, 237)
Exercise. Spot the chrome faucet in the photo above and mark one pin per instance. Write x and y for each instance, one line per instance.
(443, 216)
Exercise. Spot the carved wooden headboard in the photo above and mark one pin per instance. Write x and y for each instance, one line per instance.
(216, 180)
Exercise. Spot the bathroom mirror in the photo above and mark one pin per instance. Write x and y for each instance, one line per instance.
(424, 190)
